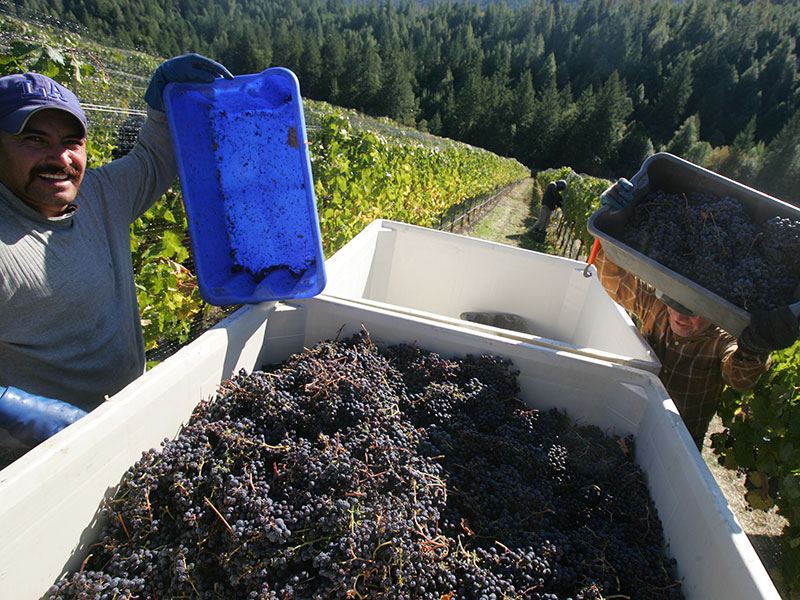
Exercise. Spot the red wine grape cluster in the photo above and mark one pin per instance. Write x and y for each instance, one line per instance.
(356, 472)
(713, 242)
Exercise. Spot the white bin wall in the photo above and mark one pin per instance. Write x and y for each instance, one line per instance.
(440, 273)
(50, 497)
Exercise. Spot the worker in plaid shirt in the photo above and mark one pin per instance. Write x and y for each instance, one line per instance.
(698, 359)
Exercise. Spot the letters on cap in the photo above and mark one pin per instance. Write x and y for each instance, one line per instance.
(22, 95)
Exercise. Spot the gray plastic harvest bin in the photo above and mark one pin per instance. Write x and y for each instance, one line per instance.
(50, 498)
(440, 276)
(674, 175)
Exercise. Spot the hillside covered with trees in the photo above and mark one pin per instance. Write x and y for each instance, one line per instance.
(597, 84)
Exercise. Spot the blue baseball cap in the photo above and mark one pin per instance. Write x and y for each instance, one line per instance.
(22, 95)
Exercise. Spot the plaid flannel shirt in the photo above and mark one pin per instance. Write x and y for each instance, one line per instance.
(695, 369)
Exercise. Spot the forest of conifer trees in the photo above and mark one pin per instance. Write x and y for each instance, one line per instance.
(594, 84)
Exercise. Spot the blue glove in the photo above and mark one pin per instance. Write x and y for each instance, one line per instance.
(31, 419)
(187, 68)
(619, 195)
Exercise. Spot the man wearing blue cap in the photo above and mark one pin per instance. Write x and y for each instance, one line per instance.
(69, 326)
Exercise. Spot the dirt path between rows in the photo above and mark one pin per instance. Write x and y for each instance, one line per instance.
(507, 221)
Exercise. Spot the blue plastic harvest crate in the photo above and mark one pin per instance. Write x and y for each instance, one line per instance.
(245, 171)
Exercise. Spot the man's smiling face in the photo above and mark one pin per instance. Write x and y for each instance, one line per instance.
(43, 165)
(686, 326)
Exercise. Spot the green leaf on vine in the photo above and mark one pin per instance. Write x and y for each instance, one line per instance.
(757, 495)
(790, 484)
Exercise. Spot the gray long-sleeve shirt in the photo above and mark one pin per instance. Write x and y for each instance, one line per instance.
(69, 318)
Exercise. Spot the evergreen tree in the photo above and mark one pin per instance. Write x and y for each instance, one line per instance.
(287, 47)
(635, 147)
(310, 71)
(546, 74)
(396, 99)
(743, 159)
(247, 52)
(334, 54)
(523, 107)
(546, 135)
(687, 144)
(779, 83)
(670, 104)
(781, 165)
(361, 79)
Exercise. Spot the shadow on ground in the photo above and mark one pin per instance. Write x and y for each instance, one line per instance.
(528, 240)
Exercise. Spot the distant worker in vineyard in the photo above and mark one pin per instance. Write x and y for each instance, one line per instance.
(551, 199)
(70, 333)
(697, 358)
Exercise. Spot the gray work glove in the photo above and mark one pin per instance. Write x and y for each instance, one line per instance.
(619, 195)
(769, 330)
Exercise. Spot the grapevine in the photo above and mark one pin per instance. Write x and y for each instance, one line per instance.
(355, 472)
(762, 440)
(363, 172)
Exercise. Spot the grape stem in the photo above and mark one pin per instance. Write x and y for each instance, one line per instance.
(125, 529)
(219, 514)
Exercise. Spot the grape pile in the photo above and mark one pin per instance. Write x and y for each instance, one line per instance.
(713, 242)
(356, 472)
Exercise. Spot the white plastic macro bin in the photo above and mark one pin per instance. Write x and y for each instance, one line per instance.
(440, 275)
(51, 497)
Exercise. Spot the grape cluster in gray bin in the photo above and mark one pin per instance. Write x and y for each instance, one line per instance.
(356, 472)
(713, 242)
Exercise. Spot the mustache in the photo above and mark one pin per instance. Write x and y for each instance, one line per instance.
(68, 170)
